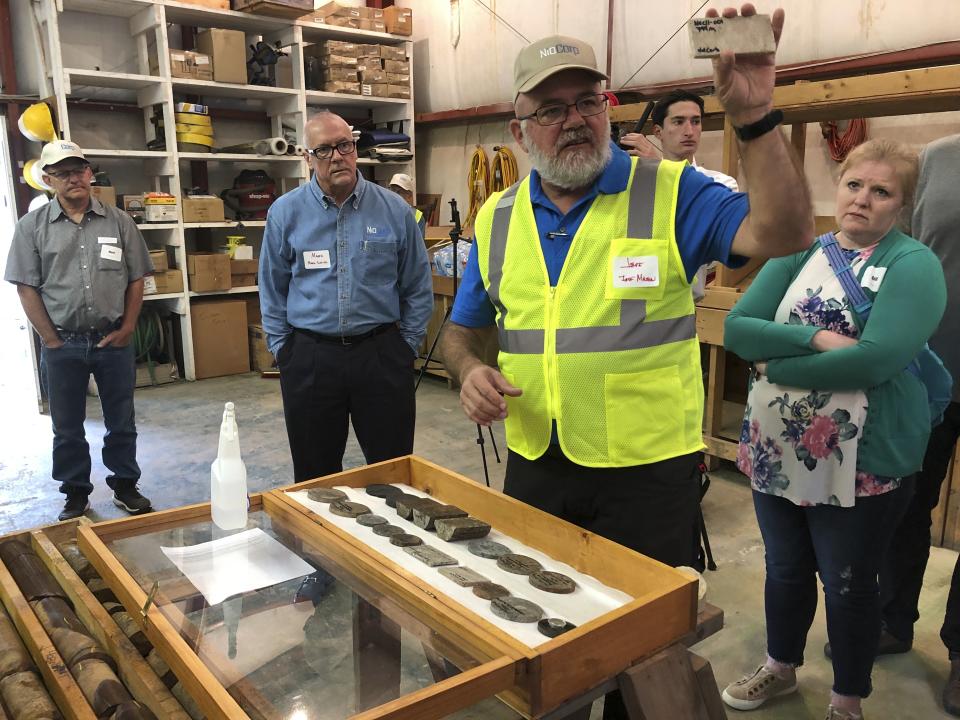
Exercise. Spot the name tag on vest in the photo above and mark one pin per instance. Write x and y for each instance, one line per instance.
(636, 272)
(316, 259)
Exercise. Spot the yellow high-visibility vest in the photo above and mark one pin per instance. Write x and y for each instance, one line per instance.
(611, 352)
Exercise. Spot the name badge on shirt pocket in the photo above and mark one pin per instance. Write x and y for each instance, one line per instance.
(872, 277)
(316, 259)
(109, 252)
(103, 240)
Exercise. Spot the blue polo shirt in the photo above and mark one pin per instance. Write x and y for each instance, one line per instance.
(707, 220)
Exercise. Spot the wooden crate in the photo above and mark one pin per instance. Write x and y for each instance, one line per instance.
(533, 680)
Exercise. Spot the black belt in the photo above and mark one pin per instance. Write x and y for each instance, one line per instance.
(347, 339)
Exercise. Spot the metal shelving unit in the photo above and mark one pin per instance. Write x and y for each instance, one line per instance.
(148, 84)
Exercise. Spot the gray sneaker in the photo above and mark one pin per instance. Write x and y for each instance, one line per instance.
(754, 690)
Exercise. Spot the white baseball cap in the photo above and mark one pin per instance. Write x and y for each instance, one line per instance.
(59, 150)
(402, 180)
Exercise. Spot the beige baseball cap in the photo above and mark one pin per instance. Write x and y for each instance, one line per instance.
(546, 57)
(59, 150)
(402, 180)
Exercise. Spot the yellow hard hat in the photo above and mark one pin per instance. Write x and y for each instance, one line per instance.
(36, 123)
(33, 176)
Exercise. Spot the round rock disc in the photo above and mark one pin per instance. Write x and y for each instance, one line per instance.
(552, 627)
(386, 529)
(383, 491)
(405, 540)
(370, 520)
(516, 609)
(552, 582)
(489, 590)
(392, 499)
(487, 548)
(345, 508)
(518, 564)
(326, 495)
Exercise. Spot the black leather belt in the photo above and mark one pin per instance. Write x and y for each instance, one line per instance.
(347, 339)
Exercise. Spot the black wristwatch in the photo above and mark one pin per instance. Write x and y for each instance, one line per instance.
(761, 127)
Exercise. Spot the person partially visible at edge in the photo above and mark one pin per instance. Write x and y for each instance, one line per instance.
(584, 269)
(836, 424)
(79, 266)
(936, 223)
(678, 124)
(345, 294)
(402, 185)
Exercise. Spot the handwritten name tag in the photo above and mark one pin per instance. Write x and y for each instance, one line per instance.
(111, 252)
(636, 271)
(316, 259)
(103, 240)
(872, 278)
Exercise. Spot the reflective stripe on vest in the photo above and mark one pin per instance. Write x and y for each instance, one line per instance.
(633, 332)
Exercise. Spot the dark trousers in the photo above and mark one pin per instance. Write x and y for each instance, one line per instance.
(649, 508)
(66, 371)
(326, 384)
(902, 575)
(846, 546)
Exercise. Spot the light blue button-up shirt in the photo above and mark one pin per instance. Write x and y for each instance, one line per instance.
(343, 270)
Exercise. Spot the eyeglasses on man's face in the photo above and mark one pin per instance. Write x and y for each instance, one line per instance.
(325, 152)
(556, 113)
(63, 175)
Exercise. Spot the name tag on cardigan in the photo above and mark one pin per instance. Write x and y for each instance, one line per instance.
(636, 271)
(316, 259)
(872, 278)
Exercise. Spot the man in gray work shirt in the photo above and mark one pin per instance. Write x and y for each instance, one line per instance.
(78, 266)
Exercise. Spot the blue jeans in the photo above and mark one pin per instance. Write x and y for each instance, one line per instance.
(66, 371)
(846, 546)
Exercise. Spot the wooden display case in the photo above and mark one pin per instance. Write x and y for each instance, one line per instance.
(531, 680)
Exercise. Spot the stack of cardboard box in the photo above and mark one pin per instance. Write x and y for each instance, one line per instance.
(361, 68)
(185, 64)
(165, 279)
(338, 61)
(336, 13)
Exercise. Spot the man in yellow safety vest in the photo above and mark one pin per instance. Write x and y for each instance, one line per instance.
(584, 269)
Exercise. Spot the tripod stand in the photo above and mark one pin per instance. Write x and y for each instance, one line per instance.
(455, 238)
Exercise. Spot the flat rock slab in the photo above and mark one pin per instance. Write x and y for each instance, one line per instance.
(487, 549)
(742, 35)
(424, 516)
(326, 495)
(553, 582)
(405, 540)
(460, 528)
(386, 529)
(345, 508)
(516, 609)
(518, 564)
(462, 576)
(383, 491)
(430, 556)
(371, 520)
(490, 590)
(408, 503)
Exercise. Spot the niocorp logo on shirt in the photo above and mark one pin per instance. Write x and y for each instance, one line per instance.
(558, 49)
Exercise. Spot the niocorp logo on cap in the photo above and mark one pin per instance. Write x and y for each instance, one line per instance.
(559, 48)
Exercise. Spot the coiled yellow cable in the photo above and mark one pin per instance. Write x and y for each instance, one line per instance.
(478, 183)
(504, 168)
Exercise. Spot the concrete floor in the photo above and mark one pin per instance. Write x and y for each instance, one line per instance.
(178, 427)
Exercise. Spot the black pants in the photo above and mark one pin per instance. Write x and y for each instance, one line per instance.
(902, 575)
(649, 508)
(325, 384)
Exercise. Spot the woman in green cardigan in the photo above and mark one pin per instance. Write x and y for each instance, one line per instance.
(835, 426)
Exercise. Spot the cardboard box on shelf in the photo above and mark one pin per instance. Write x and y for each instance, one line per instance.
(208, 272)
(398, 91)
(243, 273)
(220, 344)
(227, 50)
(366, 50)
(369, 63)
(338, 61)
(163, 283)
(373, 75)
(371, 13)
(106, 194)
(375, 90)
(337, 9)
(337, 21)
(393, 52)
(253, 308)
(332, 47)
(260, 357)
(398, 78)
(202, 208)
(397, 66)
(179, 66)
(374, 25)
(340, 86)
(274, 8)
(345, 74)
(213, 4)
(399, 20)
(159, 260)
(156, 374)
(160, 207)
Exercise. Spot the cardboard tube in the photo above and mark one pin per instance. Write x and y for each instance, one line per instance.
(266, 146)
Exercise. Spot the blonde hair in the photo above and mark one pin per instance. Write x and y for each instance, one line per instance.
(904, 161)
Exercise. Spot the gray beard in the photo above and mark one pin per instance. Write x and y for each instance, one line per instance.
(569, 173)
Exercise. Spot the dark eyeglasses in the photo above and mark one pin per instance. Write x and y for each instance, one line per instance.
(67, 174)
(556, 113)
(325, 152)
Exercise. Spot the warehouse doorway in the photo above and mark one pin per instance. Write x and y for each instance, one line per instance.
(19, 382)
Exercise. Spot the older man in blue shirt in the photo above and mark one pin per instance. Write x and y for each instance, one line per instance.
(346, 294)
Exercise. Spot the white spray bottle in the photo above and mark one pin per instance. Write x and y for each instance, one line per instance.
(228, 477)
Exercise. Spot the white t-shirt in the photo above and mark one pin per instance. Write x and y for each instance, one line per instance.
(717, 176)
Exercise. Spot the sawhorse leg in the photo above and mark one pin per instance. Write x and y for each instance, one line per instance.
(674, 684)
